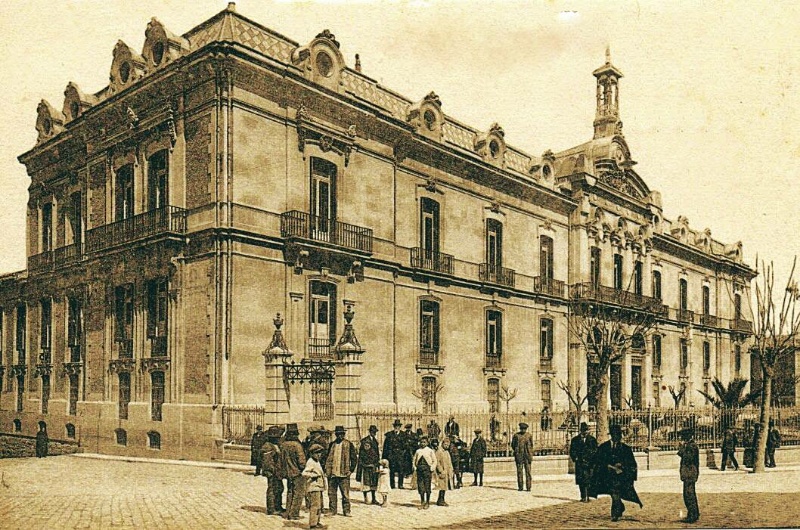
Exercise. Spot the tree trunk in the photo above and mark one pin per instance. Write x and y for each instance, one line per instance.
(763, 420)
(601, 396)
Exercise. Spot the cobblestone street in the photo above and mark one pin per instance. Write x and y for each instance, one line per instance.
(80, 492)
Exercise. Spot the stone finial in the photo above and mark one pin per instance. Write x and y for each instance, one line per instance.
(278, 345)
(358, 64)
(608, 54)
(326, 34)
(348, 344)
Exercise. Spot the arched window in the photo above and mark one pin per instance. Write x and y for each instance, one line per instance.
(154, 440)
(428, 332)
(123, 193)
(70, 430)
(122, 436)
(494, 339)
(493, 395)
(17, 425)
(322, 319)
(157, 180)
(323, 197)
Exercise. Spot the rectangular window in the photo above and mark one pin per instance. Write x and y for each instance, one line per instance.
(321, 399)
(684, 355)
(76, 219)
(636, 386)
(494, 245)
(683, 295)
(323, 197)
(124, 193)
(656, 351)
(546, 258)
(429, 234)
(157, 394)
(429, 332)
(157, 309)
(615, 382)
(45, 393)
(123, 319)
(618, 271)
(657, 285)
(494, 338)
(737, 306)
(706, 357)
(21, 332)
(322, 319)
(74, 327)
(637, 277)
(547, 398)
(73, 394)
(124, 394)
(591, 383)
(594, 266)
(47, 227)
(546, 341)
(157, 180)
(656, 394)
(493, 394)
(20, 392)
(706, 300)
(429, 390)
(46, 326)
(737, 359)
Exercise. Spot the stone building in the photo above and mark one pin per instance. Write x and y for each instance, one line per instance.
(231, 182)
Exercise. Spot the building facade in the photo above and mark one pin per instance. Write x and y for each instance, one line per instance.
(241, 219)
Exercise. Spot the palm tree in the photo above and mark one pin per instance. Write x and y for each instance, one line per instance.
(729, 399)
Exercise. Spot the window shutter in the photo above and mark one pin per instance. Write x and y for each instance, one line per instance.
(119, 313)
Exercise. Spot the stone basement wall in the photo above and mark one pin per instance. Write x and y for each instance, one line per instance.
(15, 446)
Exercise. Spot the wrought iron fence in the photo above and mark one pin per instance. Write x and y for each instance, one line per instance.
(307, 226)
(239, 422)
(491, 273)
(423, 258)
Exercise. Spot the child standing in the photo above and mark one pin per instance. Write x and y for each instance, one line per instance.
(384, 474)
(424, 464)
(315, 480)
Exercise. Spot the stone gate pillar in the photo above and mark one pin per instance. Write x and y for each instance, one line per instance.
(347, 391)
(276, 397)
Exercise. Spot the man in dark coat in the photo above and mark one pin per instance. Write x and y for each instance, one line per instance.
(773, 442)
(272, 468)
(294, 461)
(451, 428)
(455, 460)
(256, 442)
(411, 441)
(476, 455)
(339, 465)
(369, 455)
(689, 471)
(581, 450)
(522, 445)
(614, 472)
(42, 440)
(729, 442)
(394, 449)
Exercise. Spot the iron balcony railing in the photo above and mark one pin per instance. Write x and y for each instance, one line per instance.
(494, 360)
(609, 295)
(549, 286)
(125, 349)
(431, 260)
(158, 346)
(490, 273)
(428, 357)
(684, 315)
(41, 262)
(68, 255)
(166, 220)
(75, 353)
(709, 320)
(315, 228)
(740, 324)
(319, 348)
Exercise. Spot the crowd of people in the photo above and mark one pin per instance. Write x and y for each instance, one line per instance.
(426, 461)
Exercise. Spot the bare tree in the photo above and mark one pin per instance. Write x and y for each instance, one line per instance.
(508, 395)
(575, 398)
(677, 395)
(422, 396)
(775, 330)
(606, 332)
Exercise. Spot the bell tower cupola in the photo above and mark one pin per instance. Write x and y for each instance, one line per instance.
(606, 121)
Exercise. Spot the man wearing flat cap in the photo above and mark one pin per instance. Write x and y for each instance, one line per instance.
(294, 461)
(581, 450)
(394, 445)
(272, 468)
(615, 471)
(476, 455)
(369, 456)
(259, 437)
(522, 445)
(341, 462)
(689, 473)
(315, 479)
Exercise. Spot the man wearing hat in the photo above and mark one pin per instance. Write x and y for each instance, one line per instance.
(271, 467)
(689, 472)
(294, 461)
(259, 437)
(581, 450)
(315, 479)
(476, 455)
(394, 445)
(615, 471)
(411, 441)
(522, 445)
(369, 457)
(340, 463)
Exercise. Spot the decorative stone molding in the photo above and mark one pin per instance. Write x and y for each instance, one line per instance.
(325, 137)
(154, 364)
(18, 370)
(126, 67)
(117, 366)
(49, 121)
(73, 368)
(321, 60)
(348, 347)
(43, 370)
(426, 116)
(161, 46)
(277, 348)
(491, 145)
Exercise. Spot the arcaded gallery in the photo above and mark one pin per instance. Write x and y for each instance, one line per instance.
(241, 219)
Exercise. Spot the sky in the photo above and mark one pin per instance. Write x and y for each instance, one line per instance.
(709, 99)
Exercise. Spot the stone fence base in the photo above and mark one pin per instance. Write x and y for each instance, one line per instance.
(18, 446)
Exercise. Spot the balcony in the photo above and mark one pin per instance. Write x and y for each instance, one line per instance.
(548, 286)
(163, 221)
(41, 262)
(430, 260)
(317, 348)
(684, 315)
(158, 346)
(494, 360)
(609, 295)
(740, 324)
(65, 256)
(490, 273)
(302, 225)
(125, 348)
(709, 320)
(428, 357)
(74, 353)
